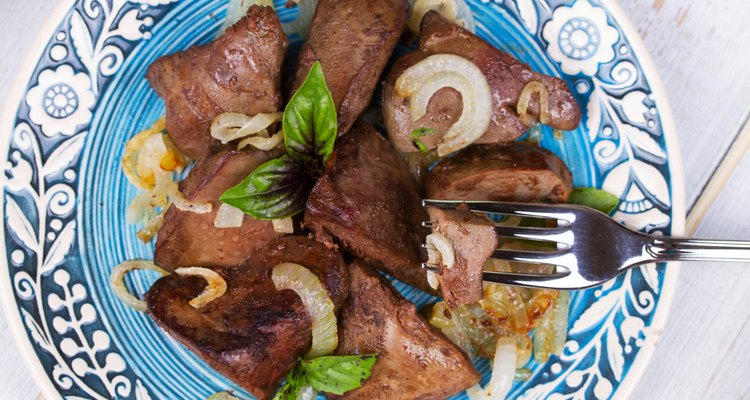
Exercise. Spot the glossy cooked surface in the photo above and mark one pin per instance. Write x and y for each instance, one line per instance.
(238, 72)
(415, 360)
(505, 75)
(189, 239)
(353, 40)
(519, 171)
(253, 334)
(473, 239)
(368, 202)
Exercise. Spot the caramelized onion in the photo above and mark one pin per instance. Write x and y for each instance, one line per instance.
(262, 141)
(525, 99)
(183, 204)
(152, 226)
(423, 79)
(149, 152)
(317, 301)
(116, 280)
(446, 8)
(440, 251)
(227, 127)
(503, 372)
(216, 288)
(432, 280)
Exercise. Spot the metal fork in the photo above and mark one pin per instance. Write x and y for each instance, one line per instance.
(591, 248)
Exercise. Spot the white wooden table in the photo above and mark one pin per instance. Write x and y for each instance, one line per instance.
(702, 50)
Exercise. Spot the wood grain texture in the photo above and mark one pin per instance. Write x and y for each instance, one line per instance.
(701, 50)
(703, 352)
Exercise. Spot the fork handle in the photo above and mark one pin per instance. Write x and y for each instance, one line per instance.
(677, 249)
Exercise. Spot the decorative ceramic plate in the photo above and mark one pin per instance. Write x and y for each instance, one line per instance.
(82, 94)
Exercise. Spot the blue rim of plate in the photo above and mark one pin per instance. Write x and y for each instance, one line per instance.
(52, 121)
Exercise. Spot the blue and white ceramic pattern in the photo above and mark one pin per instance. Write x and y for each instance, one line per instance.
(83, 94)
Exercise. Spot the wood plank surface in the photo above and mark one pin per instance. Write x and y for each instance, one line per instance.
(702, 50)
(704, 350)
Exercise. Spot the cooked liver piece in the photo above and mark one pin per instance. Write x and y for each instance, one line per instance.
(473, 239)
(254, 333)
(368, 202)
(353, 40)
(415, 361)
(238, 72)
(505, 75)
(519, 171)
(189, 239)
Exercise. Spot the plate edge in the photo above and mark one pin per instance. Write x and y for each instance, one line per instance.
(677, 176)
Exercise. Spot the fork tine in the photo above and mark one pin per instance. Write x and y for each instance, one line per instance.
(563, 258)
(544, 257)
(560, 280)
(504, 277)
(555, 235)
(559, 212)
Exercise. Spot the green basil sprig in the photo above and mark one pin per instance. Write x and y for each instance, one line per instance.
(330, 374)
(279, 188)
(594, 198)
(418, 133)
(309, 121)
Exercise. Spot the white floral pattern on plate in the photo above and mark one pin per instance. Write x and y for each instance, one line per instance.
(61, 101)
(580, 38)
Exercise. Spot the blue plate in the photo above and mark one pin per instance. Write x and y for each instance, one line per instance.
(82, 94)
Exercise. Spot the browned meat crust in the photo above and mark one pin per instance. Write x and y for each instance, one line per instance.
(368, 202)
(415, 360)
(473, 239)
(238, 72)
(505, 75)
(254, 333)
(189, 239)
(520, 171)
(353, 40)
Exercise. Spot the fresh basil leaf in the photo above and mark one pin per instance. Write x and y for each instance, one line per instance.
(276, 189)
(309, 121)
(594, 198)
(291, 388)
(337, 374)
(418, 133)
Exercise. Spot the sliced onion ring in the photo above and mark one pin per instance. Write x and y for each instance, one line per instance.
(261, 142)
(503, 372)
(151, 227)
(446, 8)
(423, 79)
(148, 152)
(228, 217)
(522, 108)
(227, 127)
(216, 288)
(116, 279)
(443, 247)
(317, 302)
(183, 204)
(432, 280)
